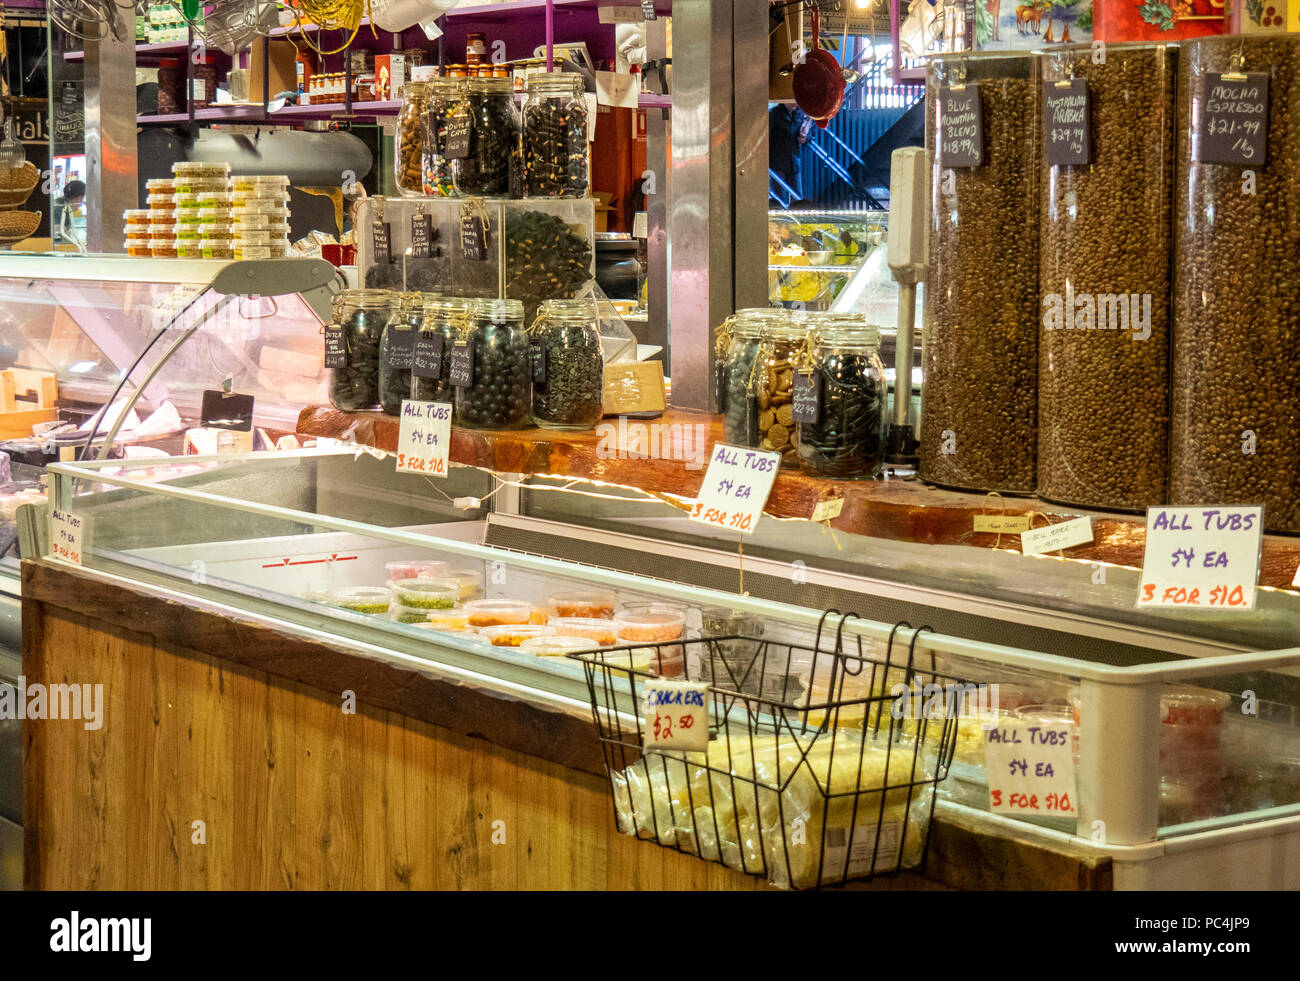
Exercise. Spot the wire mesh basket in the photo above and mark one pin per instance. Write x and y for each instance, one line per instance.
(833, 780)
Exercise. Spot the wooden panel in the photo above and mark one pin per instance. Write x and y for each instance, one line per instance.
(153, 834)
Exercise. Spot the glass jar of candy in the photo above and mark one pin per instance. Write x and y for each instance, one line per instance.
(556, 151)
(847, 440)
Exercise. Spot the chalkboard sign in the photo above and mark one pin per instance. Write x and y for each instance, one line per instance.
(807, 397)
(1234, 119)
(380, 236)
(226, 411)
(721, 387)
(336, 347)
(426, 359)
(1067, 134)
(401, 347)
(961, 134)
(462, 365)
(456, 137)
(472, 238)
(421, 235)
(70, 118)
(538, 354)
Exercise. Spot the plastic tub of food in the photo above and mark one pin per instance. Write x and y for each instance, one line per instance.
(587, 603)
(514, 634)
(163, 248)
(261, 185)
(223, 215)
(201, 170)
(252, 252)
(1052, 715)
(425, 594)
(252, 236)
(210, 229)
(1191, 719)
(469, 580)
(411, 568)
(650, 624)
(555, 646)
(217, 248)
(136, 216)
(160, 185)
(495, 612)
(139, 247)
(451, 621)
(603, 631)
(361, 599)
(189, 249)
(187, 231)
(161, 202)
(185, 200)
(279, 248)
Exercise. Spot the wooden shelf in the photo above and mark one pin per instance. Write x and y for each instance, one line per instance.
(896, 509)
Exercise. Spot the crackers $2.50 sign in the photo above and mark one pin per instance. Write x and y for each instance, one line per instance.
(736, 486)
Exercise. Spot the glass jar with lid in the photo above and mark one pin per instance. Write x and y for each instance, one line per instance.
(361, 315)
(443, 317)
(847, 440)
(409, 142)
(446, 98)
(568, 368)
(556, 152)
(493, 139)
(397, 348)
(756, 349)
(499, 373)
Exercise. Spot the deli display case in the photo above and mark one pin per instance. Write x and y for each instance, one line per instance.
(814, 255)
(1185, 731)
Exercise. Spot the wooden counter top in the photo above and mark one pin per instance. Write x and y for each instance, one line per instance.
(897, 509)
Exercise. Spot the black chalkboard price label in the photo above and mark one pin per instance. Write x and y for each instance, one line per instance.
(462, 365)
(381, 238)
(720, 386)
(336, 347)
(806, 404)
(472, 238)
(227, 411)
(426, 359)
(421, 236)
(1234, 119)
(455, 137)
(538, 354)
(1067, 130)
(401, 348)
(961, 133)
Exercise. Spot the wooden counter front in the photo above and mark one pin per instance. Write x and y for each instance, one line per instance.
(225, 760)
(894, 508)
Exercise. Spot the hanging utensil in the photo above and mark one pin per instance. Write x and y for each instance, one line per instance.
(818, 82)
(12, 154)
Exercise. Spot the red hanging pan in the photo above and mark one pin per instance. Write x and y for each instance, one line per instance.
(819, 81)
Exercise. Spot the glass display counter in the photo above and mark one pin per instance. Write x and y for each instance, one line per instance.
(813, 255)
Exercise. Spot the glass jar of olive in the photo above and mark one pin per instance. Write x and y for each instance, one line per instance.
(847, 440)
(568, 367)
(442, 317)
(756, 351)
(361, 315)
(499, 390)
(493, 139)
(397, 348)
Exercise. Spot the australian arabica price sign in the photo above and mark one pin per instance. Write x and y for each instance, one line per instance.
(1203, 558)
(735, 488)
(424, 438)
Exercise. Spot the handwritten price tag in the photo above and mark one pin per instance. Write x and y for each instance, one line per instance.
(66, 530)
(1053, 538)
(1202, 558)
(735, 488)
(1001, 524)
(1031, 767)
(424, 438)
(676, 715)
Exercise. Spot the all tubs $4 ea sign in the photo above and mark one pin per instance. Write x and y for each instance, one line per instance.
(1030, 767)
(66, 533)
(1203, 558)
(735, 488)
(424, 438)
(675, 715)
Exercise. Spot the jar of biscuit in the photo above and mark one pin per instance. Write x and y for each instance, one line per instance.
(410, 140)
(756, 351)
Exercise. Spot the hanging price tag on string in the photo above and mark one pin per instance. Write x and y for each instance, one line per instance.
(1053, 538)
(66, 531)
(1001, 524)
(961, 134)
(736, 487)
(424, 438)
(1030, 766)
(675, 715)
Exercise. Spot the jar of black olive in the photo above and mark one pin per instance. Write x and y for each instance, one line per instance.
(362, 316)
(568, 366)
(491, 353)
(446, 98)
(847, 439)
(556, 152)
(493, 139)
(757, 351)
(443, 317)
(397, 348)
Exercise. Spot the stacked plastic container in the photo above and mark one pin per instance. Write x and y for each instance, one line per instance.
(162, 218)
(135, 228)
(260, 217)
(202, 210)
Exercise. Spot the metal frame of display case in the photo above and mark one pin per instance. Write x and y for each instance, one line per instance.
(1119, 745)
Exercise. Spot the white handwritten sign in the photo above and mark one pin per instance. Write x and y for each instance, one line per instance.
(424, 438)
(66, 531)
(1202, 558)
(1001, 524)
(676, 715)
(1055, 537)
(1030, 767)
(735, 488)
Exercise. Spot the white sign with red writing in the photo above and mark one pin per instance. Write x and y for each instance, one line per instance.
(424, 438)
(1031, 767)
(735, 488)
(675, 715)
(1204, 558)
(66, 531)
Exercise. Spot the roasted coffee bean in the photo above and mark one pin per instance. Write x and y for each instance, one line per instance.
(1235, 429)
(1103, 416)
(980, 400)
